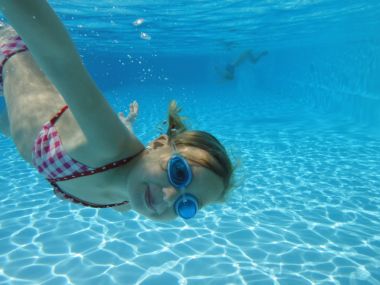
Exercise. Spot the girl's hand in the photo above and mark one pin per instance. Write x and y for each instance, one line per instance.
(133, 110)
(132, 115)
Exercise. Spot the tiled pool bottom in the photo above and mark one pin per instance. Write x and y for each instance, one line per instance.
(306, 211)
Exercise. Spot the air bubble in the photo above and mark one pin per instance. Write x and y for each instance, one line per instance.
(138, 22)
(145, 36)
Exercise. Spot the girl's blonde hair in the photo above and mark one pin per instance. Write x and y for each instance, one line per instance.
(217, 161)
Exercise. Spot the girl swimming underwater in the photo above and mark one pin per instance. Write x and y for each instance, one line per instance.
(61, 124)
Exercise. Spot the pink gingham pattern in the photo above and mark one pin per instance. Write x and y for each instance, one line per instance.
(50, 158)
(14, 45)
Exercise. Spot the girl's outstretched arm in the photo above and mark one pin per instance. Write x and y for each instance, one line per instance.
(56, 55)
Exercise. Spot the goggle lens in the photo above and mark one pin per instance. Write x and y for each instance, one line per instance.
(186, 206)
(179, 172)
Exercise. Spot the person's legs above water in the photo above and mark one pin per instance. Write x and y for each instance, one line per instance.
(255, 57)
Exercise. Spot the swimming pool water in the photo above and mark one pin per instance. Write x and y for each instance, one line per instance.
(302, 126)
(305, 211)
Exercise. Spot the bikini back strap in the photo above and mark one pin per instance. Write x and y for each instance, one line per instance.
(59, 114)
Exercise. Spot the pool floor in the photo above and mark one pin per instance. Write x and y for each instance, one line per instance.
(305, 210)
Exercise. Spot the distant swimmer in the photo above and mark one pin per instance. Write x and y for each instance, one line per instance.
(228, 72)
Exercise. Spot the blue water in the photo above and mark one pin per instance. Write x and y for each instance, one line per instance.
(303, 126)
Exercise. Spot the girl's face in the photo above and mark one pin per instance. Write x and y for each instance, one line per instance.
(152, 195)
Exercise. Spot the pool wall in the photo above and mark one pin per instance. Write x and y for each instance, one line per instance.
(337, 79)
(342, 79)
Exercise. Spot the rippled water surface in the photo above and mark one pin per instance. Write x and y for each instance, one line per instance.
(214, 26)
(302, 126)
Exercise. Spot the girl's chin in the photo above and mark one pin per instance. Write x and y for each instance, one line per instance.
(136, 198)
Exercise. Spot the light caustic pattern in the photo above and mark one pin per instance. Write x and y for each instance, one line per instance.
(306, 211)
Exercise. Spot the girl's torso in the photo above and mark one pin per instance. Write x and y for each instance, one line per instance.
(31, 102)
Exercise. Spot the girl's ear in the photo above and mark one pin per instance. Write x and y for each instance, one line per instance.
(160, 141)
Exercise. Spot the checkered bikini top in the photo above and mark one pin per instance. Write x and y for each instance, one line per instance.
(56, 165)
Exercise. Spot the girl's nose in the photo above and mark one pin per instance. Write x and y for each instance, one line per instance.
(169, 193)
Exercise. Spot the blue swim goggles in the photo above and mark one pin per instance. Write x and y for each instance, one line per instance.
(180, 176)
